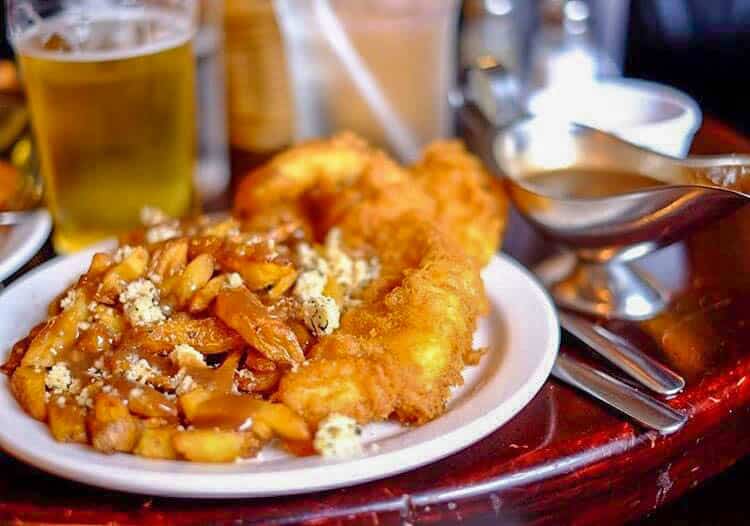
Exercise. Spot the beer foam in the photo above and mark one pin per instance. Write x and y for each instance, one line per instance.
(170, 31)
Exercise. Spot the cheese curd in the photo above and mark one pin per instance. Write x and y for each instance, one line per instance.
(310, 284)
(185, 355)
(122, 253)
(69, 299)
(182, 382)
(140, 370)
(338, 436)
(321, 314)
(150, 216)
(234, 280)
(141, 303)
(58, 379)
(164, 232)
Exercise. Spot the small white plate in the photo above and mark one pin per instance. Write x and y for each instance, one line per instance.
(19, 243)
(521, 332)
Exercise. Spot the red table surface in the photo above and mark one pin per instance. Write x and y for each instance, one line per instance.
(564, 458)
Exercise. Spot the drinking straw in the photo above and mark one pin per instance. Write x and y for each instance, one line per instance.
(399, 135)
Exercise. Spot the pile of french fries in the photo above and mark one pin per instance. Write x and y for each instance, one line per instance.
(123, 387)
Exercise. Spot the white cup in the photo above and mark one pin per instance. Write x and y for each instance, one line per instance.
(645, 113)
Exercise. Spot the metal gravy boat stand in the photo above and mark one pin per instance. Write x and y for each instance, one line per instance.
(605, 234)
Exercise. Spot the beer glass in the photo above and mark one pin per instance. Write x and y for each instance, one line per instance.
(110, 85)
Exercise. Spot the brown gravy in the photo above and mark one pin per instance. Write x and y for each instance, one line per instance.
(587, 183)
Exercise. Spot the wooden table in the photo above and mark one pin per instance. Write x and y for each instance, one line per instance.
(563, 458)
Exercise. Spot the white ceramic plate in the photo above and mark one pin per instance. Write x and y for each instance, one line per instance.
(521, 333)
(19, 243)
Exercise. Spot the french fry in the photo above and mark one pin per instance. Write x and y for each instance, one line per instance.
(202, 299)
(213, 381)
(207, 335)
(265, 381)
(111, 426)
(100, 263)
(67, 422)
(282, 285)
(53, 309)
(148, 402)
(245, 382)
(97, 339)
(209, 445)
(27, 384)
(243, 312)
(194, 277)
(110, 318)
(221, 228)
(235, 410)
(304, 337)
(205, 245)
(155, 423)
(223, 376)
(16, 356)
(169, 259)
(262, 378)
(257, 362)
(189, 402)
(237, 253)
(57, 335)
(129, 269)
(262, 275)
(157, 443)
(272, 228)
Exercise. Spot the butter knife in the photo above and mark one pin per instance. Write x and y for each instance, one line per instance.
(643, 408)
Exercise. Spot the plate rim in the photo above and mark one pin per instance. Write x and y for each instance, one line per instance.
(26, 248)
(332, 475)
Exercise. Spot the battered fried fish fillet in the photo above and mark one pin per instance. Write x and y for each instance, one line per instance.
(400, 350)
(469, 202)
(344, 182)
(276, 191)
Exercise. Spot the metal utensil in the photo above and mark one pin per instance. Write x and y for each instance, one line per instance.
(641, 407)
(635, 363)
(605, 233)
(608, 232)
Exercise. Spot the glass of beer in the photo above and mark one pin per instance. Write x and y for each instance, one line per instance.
(111, 89)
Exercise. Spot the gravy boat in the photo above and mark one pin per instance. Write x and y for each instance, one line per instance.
(605, 233)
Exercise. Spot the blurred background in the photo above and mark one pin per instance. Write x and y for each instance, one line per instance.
(256, 94)
(694, 45)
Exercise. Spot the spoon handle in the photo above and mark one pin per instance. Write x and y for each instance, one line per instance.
(645, 409)
(622, 354)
